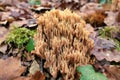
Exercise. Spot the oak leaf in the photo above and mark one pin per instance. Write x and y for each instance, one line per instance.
(10, 68)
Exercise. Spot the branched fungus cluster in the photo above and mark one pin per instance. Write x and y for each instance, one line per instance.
(115, 4)
(63, 42)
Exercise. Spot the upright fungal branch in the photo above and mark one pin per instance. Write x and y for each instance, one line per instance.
(63, 42)
(115, 4)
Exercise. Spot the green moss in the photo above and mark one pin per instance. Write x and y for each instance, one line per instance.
(111, 33)
(19, 36)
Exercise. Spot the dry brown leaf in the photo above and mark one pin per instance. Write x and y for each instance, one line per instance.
(15, 14)
(104, 49)
(110, 20)
(89, 28)
(93, 14)
(89, 8)
(118, 17)
(3, 34)
(22, 78)
(37, 76)
(3, 48)
(18, 23)
(113, 72)
(34, 67)
(10, 68)
(9, 2)
(91, 31)
(6, 16)
(108, 55)
(0, 16)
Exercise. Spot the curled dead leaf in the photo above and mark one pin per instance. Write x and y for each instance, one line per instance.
(10, 68)
(3, 48)
(37, 76)
(113, 72)
(34, 67)
(18, 23)
(104, 49)
(89, 8)
(110, 20)
(3, 34)
(9, 2)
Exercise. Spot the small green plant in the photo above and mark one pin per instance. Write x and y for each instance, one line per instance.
(117, 45)
(19, 36)
(30, 45)
(109, 33)
(34, 2)
(88, 73)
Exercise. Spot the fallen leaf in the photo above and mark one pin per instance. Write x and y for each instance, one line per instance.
(102, 43)
(15, 14)
(9, 2)
(91, 31)
(10, 68)
(3, 48)
(19, 12)
(5, 15)
(89, 8)
(104, 49)
(110, 20)
(118, 20)
(34, 67)
(93, 14)
(22, 5)
(3, 34)
(0, 16)
(113, 72)
(22, 78)
(89, 28)
(1, 8)
(18, 23)
(118, 17)
(38, 76)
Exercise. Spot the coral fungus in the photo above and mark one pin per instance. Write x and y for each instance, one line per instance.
(63, 41)
(115, 4)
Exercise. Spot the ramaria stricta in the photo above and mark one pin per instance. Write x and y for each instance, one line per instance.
(63, 42)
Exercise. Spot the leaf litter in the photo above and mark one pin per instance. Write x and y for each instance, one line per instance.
(12, 66)
(20, 13)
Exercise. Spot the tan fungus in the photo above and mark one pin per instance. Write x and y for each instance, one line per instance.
(63, 42)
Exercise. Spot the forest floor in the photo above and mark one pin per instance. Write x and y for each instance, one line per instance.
(18, 24)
